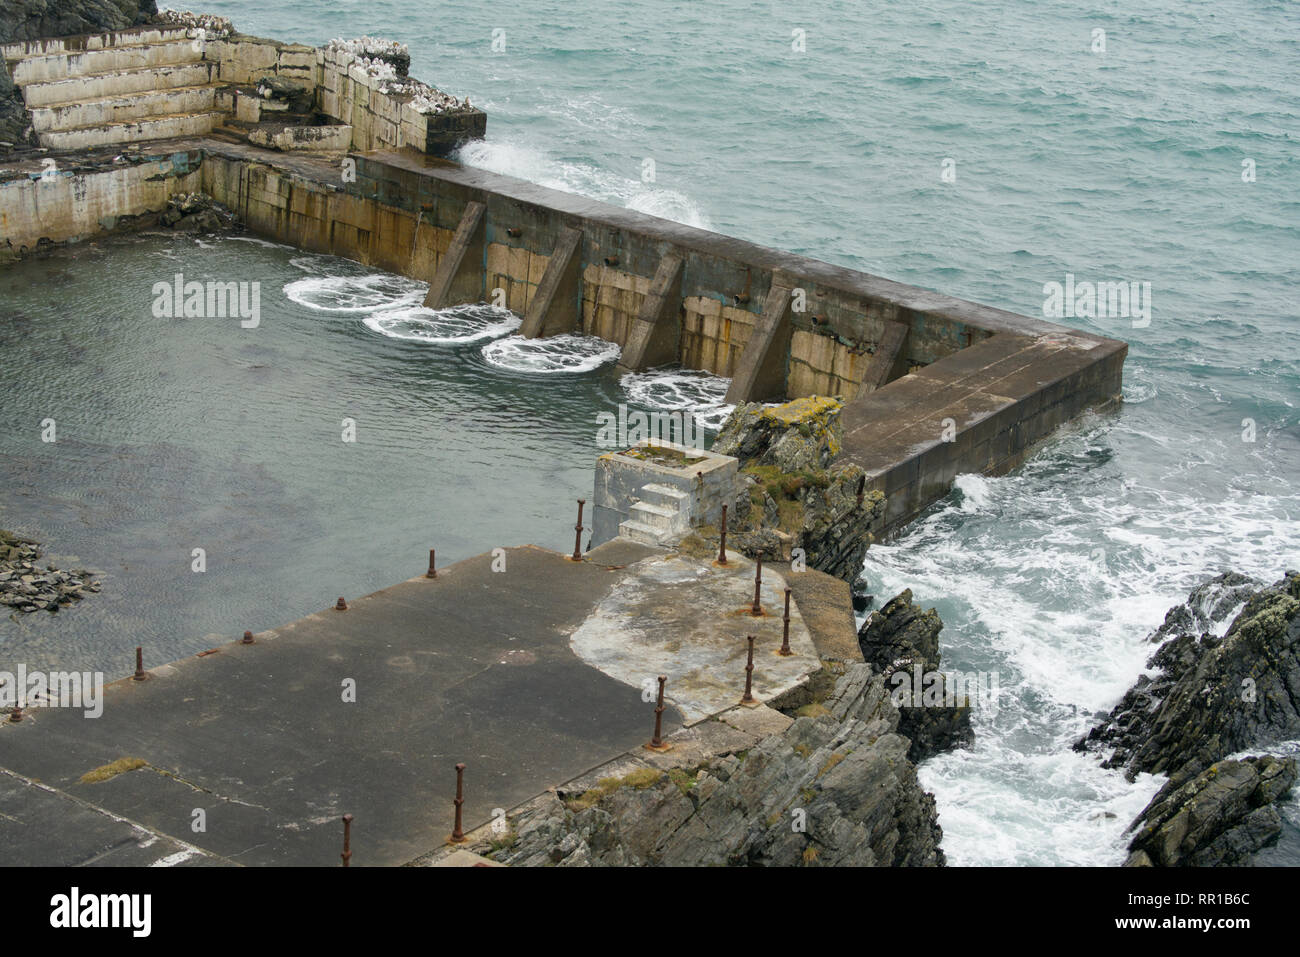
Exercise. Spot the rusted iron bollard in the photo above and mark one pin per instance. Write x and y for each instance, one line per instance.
(433, 570)
(340, 605)
(140, 673)
(347, 839)
(16, 715)
(458, 834)
(577, 532)
(248, 638)
(657, 742)
(785, 628)
(722, 543)
(749, 676)
(757, 610)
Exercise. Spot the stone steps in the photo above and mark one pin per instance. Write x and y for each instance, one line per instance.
(89, 63)
(660, 516)
(118, 83)
(636, 532)
(124, 108)
(153, 128)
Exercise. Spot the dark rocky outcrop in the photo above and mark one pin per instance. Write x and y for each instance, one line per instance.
(26, 586)
(1217, 819)
(791, 495)
(1212, 696)
(34, 19)
(902, 642)
(197, 213)
(833, 789)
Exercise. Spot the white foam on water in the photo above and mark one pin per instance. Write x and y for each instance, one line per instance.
(264, 243)
(672, 390)
(525, 162)
(567, 353)
(1053, 578)
(355, 293)
(443, 326)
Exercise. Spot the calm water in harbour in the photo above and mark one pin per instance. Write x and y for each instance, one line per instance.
(176, 434)
(1121, 166)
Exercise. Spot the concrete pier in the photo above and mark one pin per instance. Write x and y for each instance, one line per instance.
(528, 675)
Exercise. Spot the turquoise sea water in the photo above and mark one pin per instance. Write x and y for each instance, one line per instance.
(1122, 165)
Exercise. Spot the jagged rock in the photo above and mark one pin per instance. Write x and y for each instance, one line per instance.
(1219, 818)
(1212, 696)
(790, 495)
(901, 642)
(196, 212)
(26, 587)
(34, 19)
(831, 790)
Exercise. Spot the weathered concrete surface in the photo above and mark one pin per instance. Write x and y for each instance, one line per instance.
(473, 666)
(978, 410)
(689, 619)
(43, 826)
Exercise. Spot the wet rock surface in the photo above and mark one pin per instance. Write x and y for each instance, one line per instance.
(196, 213)
(833, 789)
(1212, 697)
(1217, 819)
(28, 587)
(790, 495)
(902, 642)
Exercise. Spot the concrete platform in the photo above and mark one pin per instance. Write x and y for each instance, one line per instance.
(688, 619)
(473, 666)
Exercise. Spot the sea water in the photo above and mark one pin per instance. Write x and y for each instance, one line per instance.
(983, 150)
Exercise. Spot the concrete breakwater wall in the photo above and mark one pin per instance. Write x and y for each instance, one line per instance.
(933, 385)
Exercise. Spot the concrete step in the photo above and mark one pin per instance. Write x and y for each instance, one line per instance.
(658, 517)
(119, 83)
(665, 495)
(62, 66)
(637, 532)
(155, 128)
(123, 108)
(132, 36)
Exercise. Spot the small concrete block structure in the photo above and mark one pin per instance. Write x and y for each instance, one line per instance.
(656, 491)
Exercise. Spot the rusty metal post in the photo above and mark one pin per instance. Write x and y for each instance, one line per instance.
(785, 628)
(657, 742)
(458, 833)
(757, 610)
(140, 673)
(862, 484)
(340, 605)
(248, 638)
(749, 676)
(347, 839)
(433, 571)
(722, 543)
(16, 715)
(577, 533)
